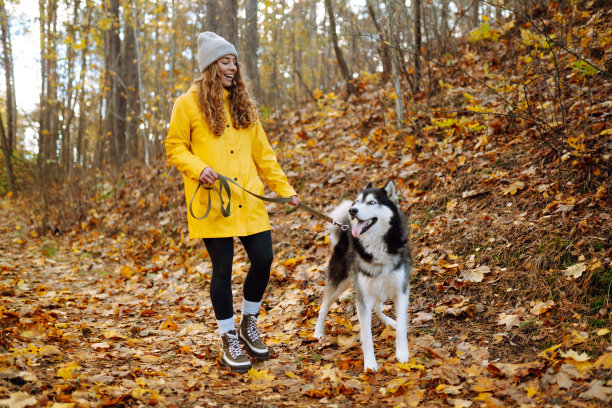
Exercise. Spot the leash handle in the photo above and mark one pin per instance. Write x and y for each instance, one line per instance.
(224, 185)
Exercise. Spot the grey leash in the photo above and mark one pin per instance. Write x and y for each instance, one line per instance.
(225, 209)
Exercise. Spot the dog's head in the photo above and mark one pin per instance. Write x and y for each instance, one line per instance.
(373, 209)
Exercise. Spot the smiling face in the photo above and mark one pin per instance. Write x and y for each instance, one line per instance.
(228, 66)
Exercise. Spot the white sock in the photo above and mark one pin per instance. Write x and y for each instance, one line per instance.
(226, 325)
(250, 308)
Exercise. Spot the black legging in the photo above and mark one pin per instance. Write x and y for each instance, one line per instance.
(221, 250)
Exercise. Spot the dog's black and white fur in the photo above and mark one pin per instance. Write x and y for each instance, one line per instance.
(374, 258)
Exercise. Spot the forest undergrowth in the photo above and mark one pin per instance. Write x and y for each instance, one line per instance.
(104, 301)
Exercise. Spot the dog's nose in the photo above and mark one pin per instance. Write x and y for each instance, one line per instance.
(352, 211)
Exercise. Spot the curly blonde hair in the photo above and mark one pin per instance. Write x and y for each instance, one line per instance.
(243, 110)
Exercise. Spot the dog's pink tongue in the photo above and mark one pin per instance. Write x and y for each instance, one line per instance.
(357, 228)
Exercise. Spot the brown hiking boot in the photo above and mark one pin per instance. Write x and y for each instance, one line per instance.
(233, 357)
(247, 331)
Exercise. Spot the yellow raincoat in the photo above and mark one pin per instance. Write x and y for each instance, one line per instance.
(244, 155)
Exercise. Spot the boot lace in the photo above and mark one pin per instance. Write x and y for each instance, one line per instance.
(252, 328)
(234, 348)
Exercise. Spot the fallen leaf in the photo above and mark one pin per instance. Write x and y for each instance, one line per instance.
(509, 320)
(542, 307)
(575, 271)
(597, 391)
(476, 274)
(513, 188)
(169, 324)
(420, 318)
(66, 371)
(101, 346)
(18, 400)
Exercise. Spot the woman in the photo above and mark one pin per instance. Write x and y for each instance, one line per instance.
(214, 128)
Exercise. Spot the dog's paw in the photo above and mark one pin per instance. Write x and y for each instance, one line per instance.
(402, 356)
(370, 366)
(318, 334)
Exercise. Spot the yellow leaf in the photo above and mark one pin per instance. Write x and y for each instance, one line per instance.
(410, 365)
(450, 206)
(604, 362)
(469, 97)
(63, 405)
(606, 132)
(185, 349)
(168, 324)
(550, 353)
(317, 93)
(542, 307)
(66, 372)
(260, 375)
(113, 334)
(126, 271)
(290, 374)
(602, 332)
(513, 188)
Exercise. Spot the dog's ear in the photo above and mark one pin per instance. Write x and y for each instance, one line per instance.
(368, 186)
(391, 191)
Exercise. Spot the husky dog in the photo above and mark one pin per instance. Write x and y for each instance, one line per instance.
(374, 258)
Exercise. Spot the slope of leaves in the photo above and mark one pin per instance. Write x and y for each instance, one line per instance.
(510, 291)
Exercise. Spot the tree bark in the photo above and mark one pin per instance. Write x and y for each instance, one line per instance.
(252, 46)
(115, 103)
(7, 61)
(395, 66)
(417, 45)
(383, 49)
(212, 15)
(334, 39)
(475, 14)
(228, 24)
(129, 74)
(48, 117)
(10, 178)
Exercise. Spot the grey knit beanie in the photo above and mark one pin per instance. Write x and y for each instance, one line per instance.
(211, 47)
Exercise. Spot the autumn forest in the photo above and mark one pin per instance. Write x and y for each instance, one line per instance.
(492, 117)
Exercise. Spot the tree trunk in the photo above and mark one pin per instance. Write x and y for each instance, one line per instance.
(252, 46)
(48, 125)
(129, 74)
(7, 61)
(395, 66)
(417, 45)
(475, 14)
(6, 152)
(212, 15)
(334, 39)
(82, 121)
(228, 27)
(115, 103)
(383, 49)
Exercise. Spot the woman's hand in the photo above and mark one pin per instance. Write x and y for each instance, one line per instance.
(295, 201)
(208, 176)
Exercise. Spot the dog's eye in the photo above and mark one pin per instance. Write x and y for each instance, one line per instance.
(372, 202)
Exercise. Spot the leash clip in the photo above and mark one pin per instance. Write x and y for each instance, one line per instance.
(343, 227)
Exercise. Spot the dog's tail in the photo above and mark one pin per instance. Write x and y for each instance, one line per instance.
(340, 214)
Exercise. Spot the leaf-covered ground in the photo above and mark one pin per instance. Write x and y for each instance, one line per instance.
(510, 291)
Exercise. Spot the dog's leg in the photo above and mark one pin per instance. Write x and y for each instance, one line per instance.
(329, 297)
(364, 312)
(402, 353)
(385, 319)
